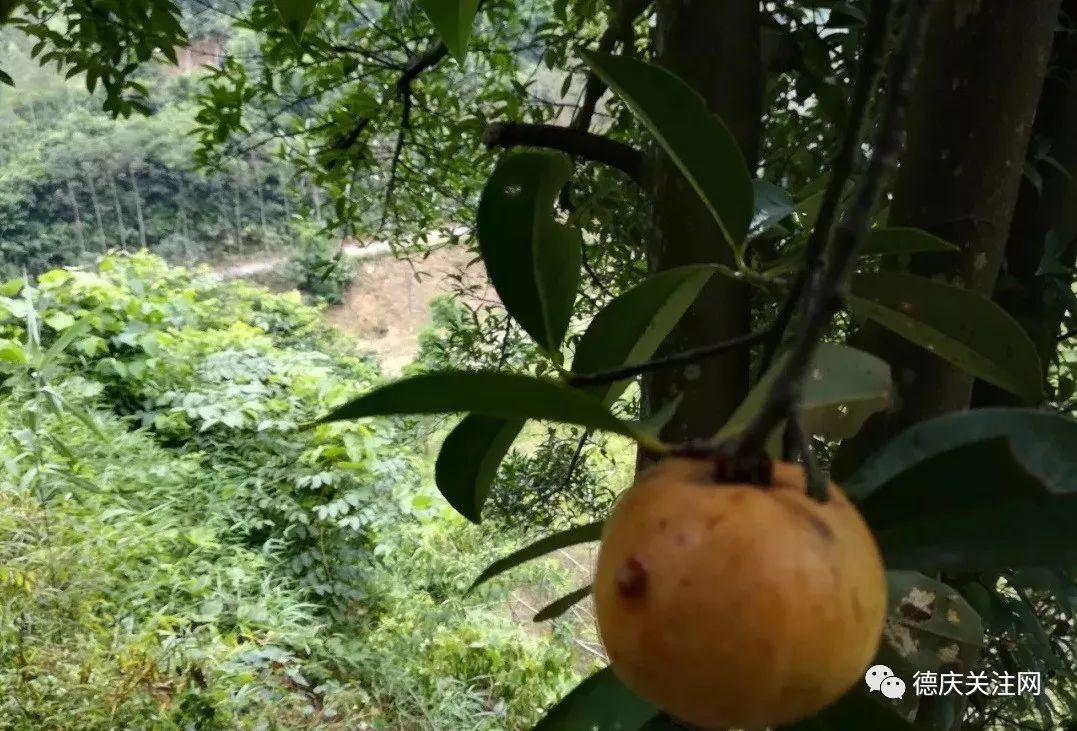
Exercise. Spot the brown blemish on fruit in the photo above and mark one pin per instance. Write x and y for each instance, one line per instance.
(663, 524)
(712, 521)
(631, 579)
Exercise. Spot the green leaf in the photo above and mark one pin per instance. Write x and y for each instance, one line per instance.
(452, 19)
(959, 325)
(628, 330)
(599, 703)
(631, 327)
(558, 607)
(981, 490)
(549, 544)
(695, 138)
(929, 626)
(899, 240)
(508, 395)
(5, 78)
(843, 388)
(772, 204)
(59, 320)
(532, 260)
(12, 352)
(468, 460)
(296, 14)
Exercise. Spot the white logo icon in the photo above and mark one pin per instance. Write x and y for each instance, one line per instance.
(875, 676)
(892, 687)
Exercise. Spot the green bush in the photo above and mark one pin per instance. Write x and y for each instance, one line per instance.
(322, 268)
(178, 551)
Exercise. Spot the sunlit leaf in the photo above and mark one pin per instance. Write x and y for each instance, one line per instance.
(843, 388)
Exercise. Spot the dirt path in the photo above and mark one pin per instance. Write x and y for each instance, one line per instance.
(389, 304)
(263, 265)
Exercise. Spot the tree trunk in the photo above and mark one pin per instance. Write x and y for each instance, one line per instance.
(1047, 210)
(968, 132)
(714, 46)
(119, 211)
(138, 207)
(96, 208)
(237, 221)
(77, 216)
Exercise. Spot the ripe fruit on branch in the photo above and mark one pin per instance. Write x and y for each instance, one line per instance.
(737, 605)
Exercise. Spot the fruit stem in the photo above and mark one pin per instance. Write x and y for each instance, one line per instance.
(796, 439)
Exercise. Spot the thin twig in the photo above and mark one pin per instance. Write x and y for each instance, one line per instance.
(689, 356)
(816, 483)
(827, 287)
(844, 161)
(624, 16)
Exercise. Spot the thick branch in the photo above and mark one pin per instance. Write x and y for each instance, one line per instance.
(827, 287)
(589, 146)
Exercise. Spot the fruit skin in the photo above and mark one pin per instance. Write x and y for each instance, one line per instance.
(737, 606)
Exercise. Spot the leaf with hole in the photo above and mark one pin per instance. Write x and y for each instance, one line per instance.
(296, 14)
(571, 537)
(532, 260)
(599, 703)
(468, 460)
(695, 138)
(844, 386)
(490, 393)
(929, 626)
(631, 327)
(558, 607)
(981, 490)
(452, 19)
(960, 326)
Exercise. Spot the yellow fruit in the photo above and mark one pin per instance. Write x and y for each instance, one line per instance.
(735, 606)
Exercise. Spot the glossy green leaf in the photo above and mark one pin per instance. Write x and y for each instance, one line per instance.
(508, 395)
(452, 19)
(599, 703)
(695, 138)
(468, 460)
(899, 240)
(843, 388)
(958, 325)
(532, 260)
(549, 544)
(771, 205)
(556, 608)
(980, 490)
(296, 14)
(631, 327)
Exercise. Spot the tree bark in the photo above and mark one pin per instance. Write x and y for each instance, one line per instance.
(96, 204)
(1051, 209)
(119, 211)
(968, 133)
(77, 215)
(138, 206)
(714, 47)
